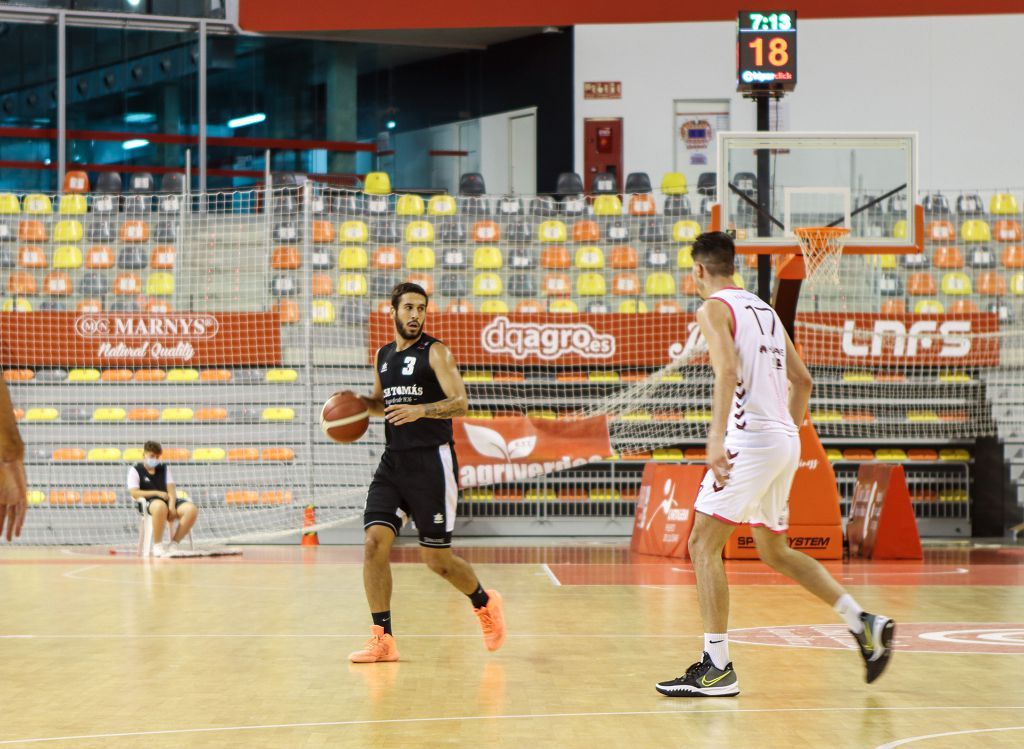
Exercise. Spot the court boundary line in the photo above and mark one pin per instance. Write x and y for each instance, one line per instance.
(551, 575)
(912, 739)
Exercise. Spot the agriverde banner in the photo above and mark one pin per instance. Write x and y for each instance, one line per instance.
(514, 448)
(653, 340)
(139, 339)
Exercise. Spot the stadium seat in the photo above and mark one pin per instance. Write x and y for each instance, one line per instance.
(377, 205)
(486, 231)
(454, 258)
(20, 283)
(519, 231)
(494, 307)
(589, 258)
(31, 231)
(685, 231)
(354, 232)
(76, 182)
(963, 307)
(893, 307)
(642, 205)
(353, 258)
(16, 305)
(530, 307)
(566, 306)
(626, 284)
(687, 286)
(150, 375)
(684, 258)
(381, 284)
(597, 307)
(656, 257)
(556, 284)
(67, 257)
(285, 257)
(544, 205)
(1003, 204)
(590, 284)
(1013, 256)
(63, 497)
(921, 284)
(883, 262)
(673, 183)
(459, 307)
(89, 305)
(1017, 284)
(165, 231)
(386, 258)
(320, 258)
(67, 231)
(102, 232)
(975, 230)
(127, 284)
(426, 281)
(970, 204)
(521, 258)
(208, 454)
(99, 257)
(914, 260)
(660, 284)
(409, 205)
(134, 231)
(73, 205)
(57, 283)
(7, 232)
(487, 258)
(163, 257)
(981, 257)
(652, 232)
(419, 258)
(939, 231)
(288, 311)
(555, 257)
(37, 204)
(552, 231)
(108, 413)
(160, 283)
(277, 453)
(242, 454)
(487, 284)
(144, 414)
(522, 285)
(668, 307)
(323, 312)
(991, 283)
(928, 307)
(607, 205)
(632, 307)
(9, 204)
(211, 413)
(677, 205)
(352, 284)
(93, 284)
(956, 283)
(322, 232)
(286, 233)
(377, 183)
(899, 229)
(132, 257)
(508, 205)
(157, 305)
(586, 231)
(42, 413)
(103, 454)
(1007, 231)
(617, 231)
(622, 257)
(177, 413)
(441, 205)
(419, 231)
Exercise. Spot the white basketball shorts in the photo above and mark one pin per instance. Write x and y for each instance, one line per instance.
(757, 492)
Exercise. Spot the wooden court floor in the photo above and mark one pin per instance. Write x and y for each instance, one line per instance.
(109, 651)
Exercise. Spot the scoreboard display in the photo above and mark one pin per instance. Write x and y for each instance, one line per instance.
(766, 50)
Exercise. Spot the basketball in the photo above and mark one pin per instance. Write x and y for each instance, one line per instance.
(344, 417)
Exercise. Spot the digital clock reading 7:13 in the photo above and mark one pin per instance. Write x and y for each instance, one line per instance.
(766, 50)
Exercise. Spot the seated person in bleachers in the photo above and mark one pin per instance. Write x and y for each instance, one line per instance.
(151, 480)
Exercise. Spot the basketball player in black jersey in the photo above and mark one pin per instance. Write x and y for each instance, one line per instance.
(418, 390)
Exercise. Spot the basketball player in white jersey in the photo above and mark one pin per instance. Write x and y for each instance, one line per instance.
(760, 395)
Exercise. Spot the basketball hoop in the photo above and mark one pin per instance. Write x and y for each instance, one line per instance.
(822, 248)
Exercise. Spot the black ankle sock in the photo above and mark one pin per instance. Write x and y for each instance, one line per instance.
(383, 619)
(479, 597)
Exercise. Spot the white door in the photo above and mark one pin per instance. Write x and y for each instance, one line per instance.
(522, 154)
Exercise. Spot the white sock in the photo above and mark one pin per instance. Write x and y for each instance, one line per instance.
(850, 610)
(717, 646)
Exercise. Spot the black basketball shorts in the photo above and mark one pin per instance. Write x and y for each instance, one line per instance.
(421, 484)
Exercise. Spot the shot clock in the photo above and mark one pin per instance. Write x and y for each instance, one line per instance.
(766, 50)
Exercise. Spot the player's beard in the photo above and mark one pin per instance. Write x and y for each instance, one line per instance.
(400, 327)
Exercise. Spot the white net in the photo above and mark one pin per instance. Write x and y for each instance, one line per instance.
(560, 310)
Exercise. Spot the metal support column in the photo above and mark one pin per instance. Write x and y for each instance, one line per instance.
(202, 115)
(764, 262)
(62, 100)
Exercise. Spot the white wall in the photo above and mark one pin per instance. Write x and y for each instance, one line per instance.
(955, 80)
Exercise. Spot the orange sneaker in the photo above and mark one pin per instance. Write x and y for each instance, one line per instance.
(379, 648)
(492, 621)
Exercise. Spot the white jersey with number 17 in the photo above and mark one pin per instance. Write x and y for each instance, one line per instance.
(761, 402)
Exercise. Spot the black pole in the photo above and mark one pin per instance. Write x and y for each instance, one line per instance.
(764, 262)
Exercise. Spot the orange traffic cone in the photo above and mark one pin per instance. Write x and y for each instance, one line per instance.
(309, 538)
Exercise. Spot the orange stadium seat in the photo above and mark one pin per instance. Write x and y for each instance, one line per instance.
(57, 283)
(144, 414)
(626, 284)
(921, 284)
(323, 232)
(117, 375)
(622, 257)
(134, 231)
(990, 283)
(288, 311)
(586, 231)
(963, 307)
(20, 283)
(687, 286)
(65, 497)
(1013, 256)
(241, 497)
(99, 497)
(642, 205)
(99, 257)
(31, 231)
(76, 182)
(90, 305)
(285, 257)
(150, 375)
(69, 453)
(386, 258)
(486, 231)
(459, 307)
(322, 284)
(276, 497)
(555, 257)
(423, 279)
(30, 256)
(529, 307)
(1007, 231)
(668, 307)
(556, 284)
(127, 284)
(948, 258)
(277, 453)
(242, 454)
(211, 413)
(939, 231)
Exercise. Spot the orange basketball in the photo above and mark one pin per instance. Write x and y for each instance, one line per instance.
(344, 417)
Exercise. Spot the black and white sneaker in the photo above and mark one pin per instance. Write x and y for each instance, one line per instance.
(875, 643)
(702, 679)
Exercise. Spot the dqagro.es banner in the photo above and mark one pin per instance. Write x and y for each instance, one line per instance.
(69, 339)
(653, 340)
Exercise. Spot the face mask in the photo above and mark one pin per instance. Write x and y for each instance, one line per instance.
(151, 462)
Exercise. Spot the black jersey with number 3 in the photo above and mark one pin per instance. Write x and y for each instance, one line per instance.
(406, 377)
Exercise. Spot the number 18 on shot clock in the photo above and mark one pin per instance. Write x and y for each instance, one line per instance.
(766, 50)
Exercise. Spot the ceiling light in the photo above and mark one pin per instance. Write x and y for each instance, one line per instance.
(249, 119)
(128, 145)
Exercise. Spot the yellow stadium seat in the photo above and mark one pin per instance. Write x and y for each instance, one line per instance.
(632, 307)
(409, 205)
(660, 284)
(84, 375)
(738, 280)
(928, 307)
(685, 231)
(353, 258)
(355, 232)
(208, 454)
(67, 231)
(420, 258)
(487, 284)
(672, 454)
(104, 454)
(72, 205)
(132, 454)
(278, 413)
(37, 205)
(607, 205)
(419, 231)
(36, 497)
(282, 374)
(441, 205)
(42, 414)
(590, 284)
(955, 454)
(890, 453)
(899, 229)
(323, 312)
(494, 307)
(9, 204)
(885, 262)
(833, 455)
(1017, 284)
(19, 305)
(924, 415)
(552, 231)
(956, 283)
(109, 413)
(563, 305)
(975, 230)
(352, 284)
(487, 258)
(673, 183)
(67, 256)
(182, 375)
(589, 258)
(1003, 204)
(177, 413)
(684, 258)
(377, 183)
(160, 284)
